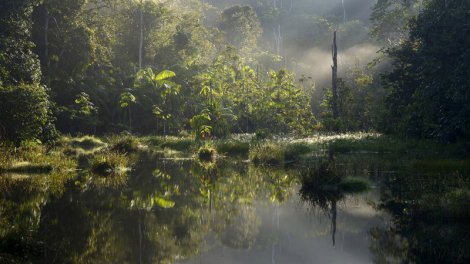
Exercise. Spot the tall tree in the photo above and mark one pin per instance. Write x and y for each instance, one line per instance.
(18, 63)
(24, 103)
(429, 86)
(241, 27)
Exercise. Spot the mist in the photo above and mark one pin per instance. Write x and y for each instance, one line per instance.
(304, 39)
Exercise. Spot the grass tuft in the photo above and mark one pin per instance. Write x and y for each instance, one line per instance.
(124, 143)
(85, 142)
(206, 153)
(108, 162)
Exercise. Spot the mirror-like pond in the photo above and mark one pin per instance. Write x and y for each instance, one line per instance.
(355, 208)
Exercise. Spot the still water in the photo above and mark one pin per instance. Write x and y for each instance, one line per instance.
(178, 210)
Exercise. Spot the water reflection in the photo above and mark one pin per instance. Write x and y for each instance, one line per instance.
(429, 216)
(167, 211)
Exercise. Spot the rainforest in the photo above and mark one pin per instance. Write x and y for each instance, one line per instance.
(234, 131)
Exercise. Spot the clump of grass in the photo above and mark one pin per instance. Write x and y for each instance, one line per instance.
(124, 143)
(268, 153)
(354, 185)
(86, 142)
(233, 148)
(171, 142)
(206, 153)
(74, 152)
(34, 158)
(108, 162)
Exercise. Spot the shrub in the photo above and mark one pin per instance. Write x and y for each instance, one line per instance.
(24, 113)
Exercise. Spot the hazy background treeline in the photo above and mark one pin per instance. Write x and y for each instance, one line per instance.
(221, 67)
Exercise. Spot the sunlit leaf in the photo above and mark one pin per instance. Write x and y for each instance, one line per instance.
(165, 74)
(163, 203)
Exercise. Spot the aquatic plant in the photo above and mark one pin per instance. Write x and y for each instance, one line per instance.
(34, 158)
(123, 143)
(206, 153)
(85, 142)
(108, 162)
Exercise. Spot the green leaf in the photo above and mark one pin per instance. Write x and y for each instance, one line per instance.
(163, 203)
(165, 74)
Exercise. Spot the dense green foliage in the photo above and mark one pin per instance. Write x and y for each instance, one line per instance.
(222, 67)
(430, 82)
(25, 116)
(24, 103)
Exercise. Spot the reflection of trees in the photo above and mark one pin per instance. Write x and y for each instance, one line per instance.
(427, 224)
(321, 190)
(20, 211)
(318, 190)
(159, 212)
(229, 193)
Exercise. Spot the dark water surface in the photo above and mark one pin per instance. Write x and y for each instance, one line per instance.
(184, 211)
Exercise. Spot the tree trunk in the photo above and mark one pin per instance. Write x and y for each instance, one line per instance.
(334, 78)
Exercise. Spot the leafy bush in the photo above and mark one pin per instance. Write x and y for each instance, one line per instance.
(24, 113)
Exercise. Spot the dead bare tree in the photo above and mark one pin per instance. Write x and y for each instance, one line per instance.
(334, 79)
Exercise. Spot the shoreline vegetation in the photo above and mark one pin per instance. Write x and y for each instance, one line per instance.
(34, 158)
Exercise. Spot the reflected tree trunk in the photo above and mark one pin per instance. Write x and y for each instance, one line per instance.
(333, 221)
